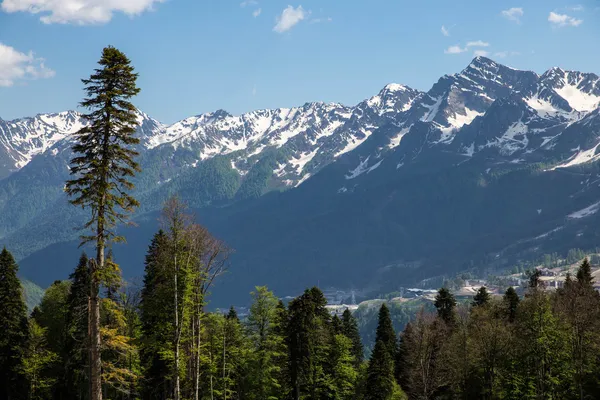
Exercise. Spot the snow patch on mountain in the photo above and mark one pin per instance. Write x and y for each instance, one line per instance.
(397, 138)
(586, 212)
(581, 157)
(304, 159)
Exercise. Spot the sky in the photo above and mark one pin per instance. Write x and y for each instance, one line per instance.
(197, 56)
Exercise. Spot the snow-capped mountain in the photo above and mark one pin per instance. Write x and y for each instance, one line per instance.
(491, 160)
(306, 137)
(487, 107)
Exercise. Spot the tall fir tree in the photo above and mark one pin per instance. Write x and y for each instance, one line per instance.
(103, 166)
(511, 303)
(13, 328)
(309, 336)
(156, 323)
(481, 298)
(584, 275)
(350, 329)
(445, 303)
(77, 361)
(380, 373)
(385, 331)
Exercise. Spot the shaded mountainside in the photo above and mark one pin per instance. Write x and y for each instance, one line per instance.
(491, 165)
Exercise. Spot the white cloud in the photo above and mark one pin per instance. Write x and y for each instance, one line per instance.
(455, 50)
(577, 7)
(289, 18)
(16, 66)
(256, 12)
(248, 3)
(560, 20)
(445, 31)
(478, 43)
(481, 53)
(78, 11)
(513, 14)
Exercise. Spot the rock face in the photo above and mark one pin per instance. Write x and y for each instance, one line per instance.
(489, 164)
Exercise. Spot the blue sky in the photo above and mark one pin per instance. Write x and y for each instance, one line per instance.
(196, 56)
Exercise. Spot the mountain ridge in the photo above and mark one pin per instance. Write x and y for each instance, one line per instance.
(349, 186)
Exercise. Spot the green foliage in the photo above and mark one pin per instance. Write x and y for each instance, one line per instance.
(511, 303)
(36, 363)
(14, 327)
(104, 161)
(445, 305)
(350, 330)
(268, 345)
(380, 374)
(385, 331)
(77, 345)
(33, 293)
(482, 297)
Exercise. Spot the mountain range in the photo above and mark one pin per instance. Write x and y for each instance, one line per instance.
(491, 166)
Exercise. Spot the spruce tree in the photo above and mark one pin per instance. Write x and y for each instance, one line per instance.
(481, 298)
(402, 364)
(76, 364)
(232, 314)
(511, 303)
(380, 373)
(584, 275)
(155, 318)
(350, 329)
(309, 337)
(336, 325)
(103, 166)
(445, 303)
(13, 329)
(385, 331)
(52, 318)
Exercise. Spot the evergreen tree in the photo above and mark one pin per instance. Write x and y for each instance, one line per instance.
(380, 373)
(156, 321)
(350, 329)
(481, 298)
(51, 321)
(232, 314)
(13, 329)
(309, 337)
(584, 275)
(445, 303)
(385, 331)
(77, 348)
(281, 357)
(511, 303)
(402, 364)
(102, 166)
(336, 325)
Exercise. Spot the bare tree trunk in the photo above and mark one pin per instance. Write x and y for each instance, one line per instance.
(95, 340)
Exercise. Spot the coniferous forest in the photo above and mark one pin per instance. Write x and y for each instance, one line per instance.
(94, 336)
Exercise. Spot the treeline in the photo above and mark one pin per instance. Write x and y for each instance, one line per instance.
(158, 342)
(544, 346)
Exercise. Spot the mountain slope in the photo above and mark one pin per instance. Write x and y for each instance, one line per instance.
(489, 166)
